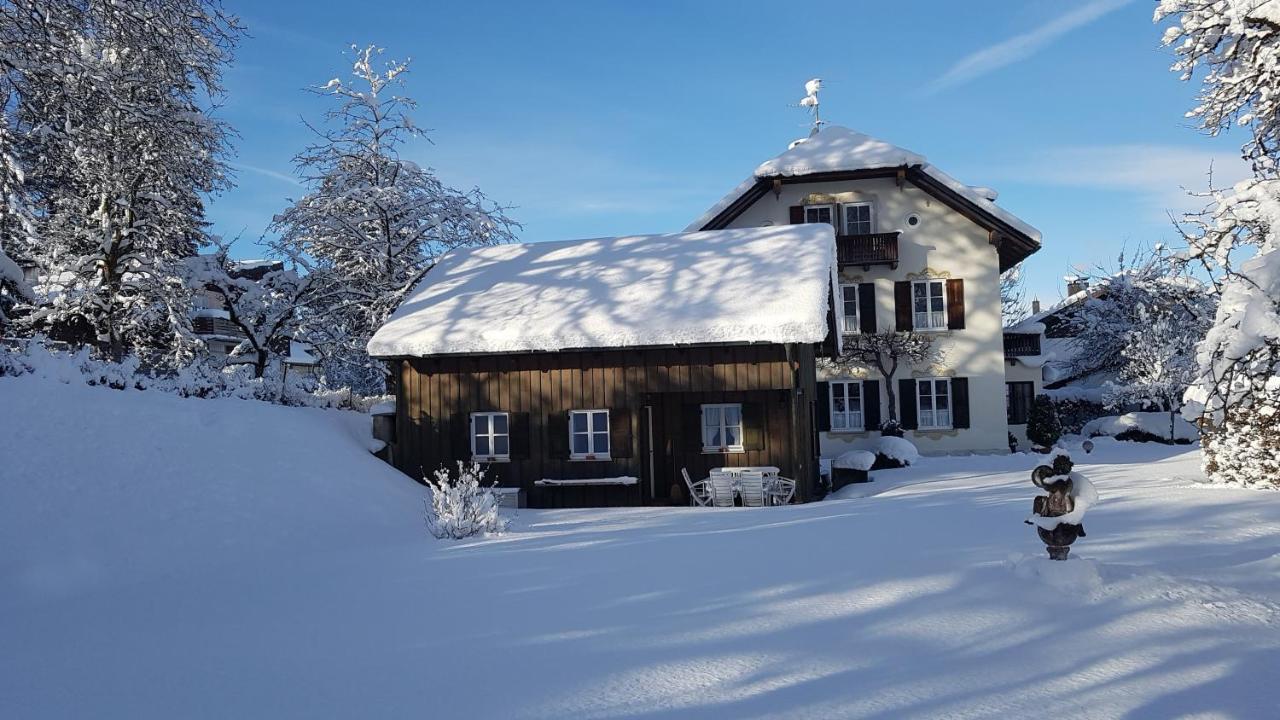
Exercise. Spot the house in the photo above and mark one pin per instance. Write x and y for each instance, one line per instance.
(917, 250)
(591, 372)
(211, 319)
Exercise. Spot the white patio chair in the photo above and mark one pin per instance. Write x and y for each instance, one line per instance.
(751, 484)
(781, 490)
(699, 492)
(721, 489)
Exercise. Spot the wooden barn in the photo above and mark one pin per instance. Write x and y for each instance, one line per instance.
(589, 373)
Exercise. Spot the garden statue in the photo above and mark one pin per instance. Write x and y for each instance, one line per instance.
(1057, 515)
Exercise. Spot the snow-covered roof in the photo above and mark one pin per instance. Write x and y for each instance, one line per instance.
(839, 149)
(745, 285)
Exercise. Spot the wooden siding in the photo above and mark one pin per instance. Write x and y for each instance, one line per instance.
(437, 395)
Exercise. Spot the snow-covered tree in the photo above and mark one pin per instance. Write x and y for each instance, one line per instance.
(1236, 398)
(372, 222)
(265, 309)
(1147, 286)
(1013, 295)
(1159, 363)
(113, 110)
(886, 351)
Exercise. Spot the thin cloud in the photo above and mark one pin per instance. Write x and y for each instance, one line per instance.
(1160, 176)
(1022, 46)
(267, 172)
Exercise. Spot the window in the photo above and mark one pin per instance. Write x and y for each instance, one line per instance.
(589, 434)
(846, 407)
(857, 219)
(913, 220)
(819, 214)
(1017, 401)
(929, 304)
(722, 427)
(934, 399)
(491, 435)
(849, 308)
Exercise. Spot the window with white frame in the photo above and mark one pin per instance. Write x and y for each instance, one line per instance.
(846, 406)
(857, 219)
(933, 398)
(589, 434)
(722, 427)
(491, 435)
(819, 214)
(849, 308)
(929, 304)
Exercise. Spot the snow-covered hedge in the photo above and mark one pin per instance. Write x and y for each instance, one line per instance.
(462, 506)
(855, 460)
(200, 379)
(1141, 427)
(895, 452)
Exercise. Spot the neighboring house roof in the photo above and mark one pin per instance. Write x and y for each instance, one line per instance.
(768, 285)
(838, 153)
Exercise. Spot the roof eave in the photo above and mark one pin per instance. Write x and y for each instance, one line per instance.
(1012, 244)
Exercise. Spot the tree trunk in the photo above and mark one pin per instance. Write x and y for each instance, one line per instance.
(1171, 420)
(260, 364)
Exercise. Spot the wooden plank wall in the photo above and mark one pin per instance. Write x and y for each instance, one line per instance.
(436, 396)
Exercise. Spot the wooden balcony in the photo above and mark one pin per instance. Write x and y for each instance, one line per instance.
(1021, 344)
(867, 250)
(216, 326)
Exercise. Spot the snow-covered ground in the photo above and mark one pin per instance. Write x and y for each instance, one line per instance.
(162, 557)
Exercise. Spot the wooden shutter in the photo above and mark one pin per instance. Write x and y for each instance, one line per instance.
(955, 304)
(620, 436)
(871, 404)
(960, 402)
(907, 404)
(823, 402)
(690, 438)
(558, 435)
(519, 428)
(797, 216)
(902, 305)
(752, 426)
(460, 436)
(867, 307)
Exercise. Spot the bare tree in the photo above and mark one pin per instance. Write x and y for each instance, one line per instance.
(1013, 295)
(372, 223)
(887, 351)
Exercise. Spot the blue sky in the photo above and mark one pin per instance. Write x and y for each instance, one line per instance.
(608, 118)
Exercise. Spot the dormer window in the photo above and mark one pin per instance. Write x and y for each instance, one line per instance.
(857, 219)
(819, 214)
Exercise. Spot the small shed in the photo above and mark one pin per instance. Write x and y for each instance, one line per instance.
(590, 372)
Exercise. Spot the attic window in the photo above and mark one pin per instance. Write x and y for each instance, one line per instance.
(819, 214)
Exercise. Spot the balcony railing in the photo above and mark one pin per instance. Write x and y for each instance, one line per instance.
(215, 326)
(867, 250)
(1021, 344)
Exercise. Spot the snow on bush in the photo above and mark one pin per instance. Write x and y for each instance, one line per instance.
(199, 380)
(855, 460)
(1141, 426)
(898, 449)
(462, 506)
(1233, 46)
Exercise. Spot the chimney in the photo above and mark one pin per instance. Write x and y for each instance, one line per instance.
(1076, 285)
(1035, 306)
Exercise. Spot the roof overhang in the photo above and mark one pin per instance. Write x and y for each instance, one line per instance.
(1012, 245)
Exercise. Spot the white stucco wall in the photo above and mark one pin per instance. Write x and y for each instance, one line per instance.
(944, 244)
(1018, 371)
